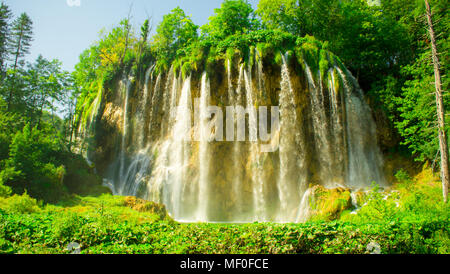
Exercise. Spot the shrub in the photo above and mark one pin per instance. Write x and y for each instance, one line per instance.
(19, 204)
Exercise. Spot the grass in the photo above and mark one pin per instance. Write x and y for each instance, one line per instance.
(410, 218)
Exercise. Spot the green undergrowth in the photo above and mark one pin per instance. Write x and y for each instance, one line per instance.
(109, 224)
(50, 232)
(407, 218)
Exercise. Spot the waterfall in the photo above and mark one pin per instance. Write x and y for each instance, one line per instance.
(178, 158)
(135, 174)
(167, 94)
(304, 209)
(292, 177)
(255, 155)
(126, 90)
(337, 127)
(354, 200)
(143, 107)
(202, 211)
(168, 152)
(167, 182)
(364, 156)
(134, 169)
(321, 126)
(155, 104)
(260, 75)
(237, 183)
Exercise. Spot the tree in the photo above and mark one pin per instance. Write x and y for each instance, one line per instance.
(37, 87)
(21, 38)
(113, 47)
(13, 89)
(69, 102)
(281, 14)
(413, 92)
(19, 43)
(368, 41)
(48, 84)
(31, 165)
(440, 108)
(126, 25)
(233, 17)
(175, 31)
(416, 122)
(5, 16)
(145, 31)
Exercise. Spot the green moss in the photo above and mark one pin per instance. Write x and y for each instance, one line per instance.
(176, 66)
(230, 54)
(186, 69)
(278, 58)
(337, 83)
(211, 59)
(328, 204)
(250, 62)
(323, 63)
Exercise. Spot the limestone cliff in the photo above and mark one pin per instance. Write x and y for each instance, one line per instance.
(154, 136)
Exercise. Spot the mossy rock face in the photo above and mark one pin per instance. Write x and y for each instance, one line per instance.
(328, 204)
(146, 206)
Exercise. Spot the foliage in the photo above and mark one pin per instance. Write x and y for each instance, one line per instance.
(113, 46)
(234, 17)
(19, 204)
(5, 17)
(384, 46)
(367, 41)
(4, 190)
(410, 200)
(411, 220)
(417, 104)
(20, 38)
(29, 166)
(50, 233)
(175, 32)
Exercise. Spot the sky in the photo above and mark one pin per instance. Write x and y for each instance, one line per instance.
(64, 28)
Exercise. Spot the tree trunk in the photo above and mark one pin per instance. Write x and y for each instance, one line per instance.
(440, 108)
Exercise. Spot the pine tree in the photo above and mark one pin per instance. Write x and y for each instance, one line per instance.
(21, 35)
(5, 17)
(21, 38)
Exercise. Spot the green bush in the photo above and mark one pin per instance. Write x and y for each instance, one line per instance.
(19, 204)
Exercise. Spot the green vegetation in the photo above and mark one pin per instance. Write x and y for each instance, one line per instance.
(385, 47)
(35, 144)
(414, 221)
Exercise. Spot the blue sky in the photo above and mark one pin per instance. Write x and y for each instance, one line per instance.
(62, 29)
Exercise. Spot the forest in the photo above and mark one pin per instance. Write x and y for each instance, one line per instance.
(64, 134)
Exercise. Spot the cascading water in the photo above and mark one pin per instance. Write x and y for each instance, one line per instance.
(143, 107)
(168, 152)
(202, 210)
(235, 98)
(123, 153)
(337, 127)
(292, 179)
(364, 158)
(320, 126)
(255, 155)
(179, 149)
